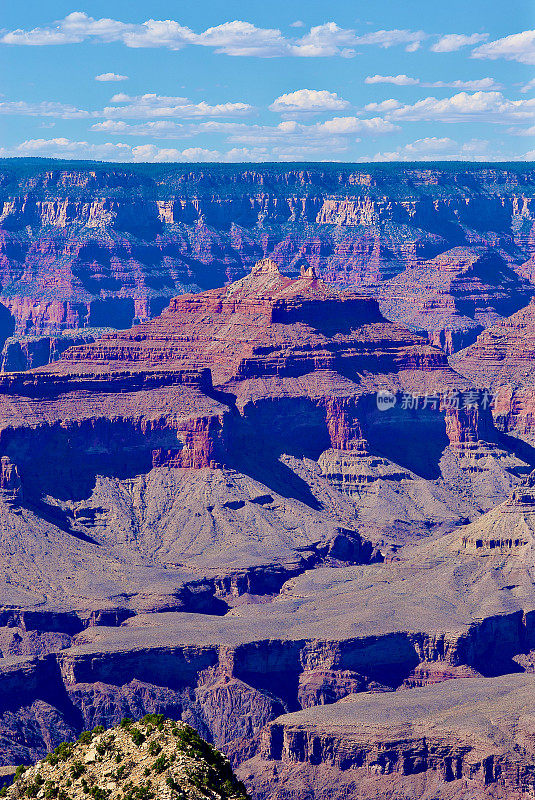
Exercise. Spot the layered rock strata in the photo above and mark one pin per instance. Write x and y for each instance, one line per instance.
(462, 739)
(91, 245)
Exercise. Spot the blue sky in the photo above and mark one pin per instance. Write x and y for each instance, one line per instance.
(246, 80)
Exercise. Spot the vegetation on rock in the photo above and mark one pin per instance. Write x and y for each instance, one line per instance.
(153, 758)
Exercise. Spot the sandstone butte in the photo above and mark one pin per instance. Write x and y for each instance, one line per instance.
(203, 539)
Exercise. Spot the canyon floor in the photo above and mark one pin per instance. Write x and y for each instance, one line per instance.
(296, 509)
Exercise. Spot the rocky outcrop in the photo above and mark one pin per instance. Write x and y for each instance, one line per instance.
(24, 352)
(455, 295)
(157, 755)
(503, 354)
(508, 527)
(472, 735)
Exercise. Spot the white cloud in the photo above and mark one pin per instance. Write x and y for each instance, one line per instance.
(384, 107)
(412, 39)
(472, 86)
(345, 125)
(153, 105)
(244, 39)
(297, 24)
(421, 149)
(308, 100)
(157, 33)
(66, 148)
(523, 131)
(78, 26)
(326, 40)
(234, 38)
(530, 156)
(454, 41)
(528, 87)
(404, 80)
(159, 129)
(107, 77)
(435, 148)
(397, 80)
(490, 106)
(42, 109)
(517, 47)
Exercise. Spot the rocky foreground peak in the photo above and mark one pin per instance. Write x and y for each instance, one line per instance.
(147, 760)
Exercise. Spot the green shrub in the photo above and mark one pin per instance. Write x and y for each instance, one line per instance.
(137, 737)
(154, 748)
(153, 719)
(51, 790)
(127, 722)
(21, 769)
(77, 769)
(61, 753)
(85, 737)
(161, 763)
(105, 746)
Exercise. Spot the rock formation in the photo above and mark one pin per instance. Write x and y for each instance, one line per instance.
(269, 499)
(502, 359)
(157, 757)
(455, 295)
(110, 245)
(463, 739)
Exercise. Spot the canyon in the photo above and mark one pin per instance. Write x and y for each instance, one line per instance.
(275, 477)
(86, 245)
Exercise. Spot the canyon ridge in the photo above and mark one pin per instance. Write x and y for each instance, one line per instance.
(267, 449)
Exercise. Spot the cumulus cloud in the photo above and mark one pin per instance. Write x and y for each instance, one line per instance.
(517, 47)
(490, 106)
(233, 38)
(454, 41)
(421, 149)
(154, 105)
(244, 39)
(42, 109)
(384, 107)
(326, 40)
(397, 80)
(297, 24)
(66, 148)
(435, 148)
(308, 100)
(79, 26)
(345, 125)
(334, 132)
(109, 77)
